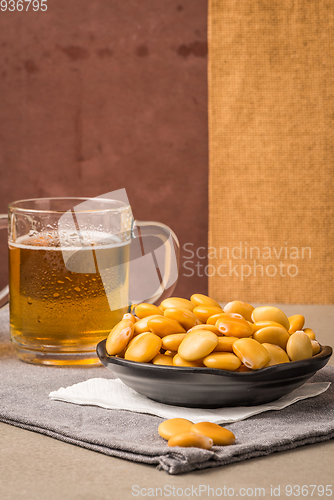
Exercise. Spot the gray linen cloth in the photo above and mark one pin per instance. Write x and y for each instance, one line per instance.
(25, 388)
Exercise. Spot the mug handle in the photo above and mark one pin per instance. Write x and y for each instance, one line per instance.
(169, 264)
(4, 293)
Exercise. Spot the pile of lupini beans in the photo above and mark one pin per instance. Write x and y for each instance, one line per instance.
(200, 333)
(182, 432)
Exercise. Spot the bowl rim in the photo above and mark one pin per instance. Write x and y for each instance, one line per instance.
(325, 353)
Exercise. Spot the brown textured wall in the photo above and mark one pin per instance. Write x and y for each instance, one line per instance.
(97, 96)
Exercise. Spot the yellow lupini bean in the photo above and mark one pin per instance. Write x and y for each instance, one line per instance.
(212, 320)
(315, 347)
(203, 300)
(263, 324)
(240, 307)
(177, 302)
(162, 359)
(185, 317)
(225, 344)
(143, 310)
(174, 426)
(296, 322)
(119, 337)
(120, 354)
(197, 345)
(172, 342)
(141, 326)
(164, 326)
(299, 346)
(310, 333)
(277, 335)
(204, 312)
(130, 317)
(191, 440)
(222, 360)
(270, 313)
(277, 354)
(243, 368)
(170, 353)
(179, 361)
(232, 326)
(219, 435)
(143, 347)
(251, 353)
(211, 328)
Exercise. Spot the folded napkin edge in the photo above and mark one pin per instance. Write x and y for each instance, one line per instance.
(61, 395)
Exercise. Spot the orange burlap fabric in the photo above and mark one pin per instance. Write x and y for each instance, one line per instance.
(271, 140)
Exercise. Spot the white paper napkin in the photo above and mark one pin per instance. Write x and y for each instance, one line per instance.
(113, 394)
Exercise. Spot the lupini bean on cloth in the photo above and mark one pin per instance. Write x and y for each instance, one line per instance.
(173, 426)
(219, 435)
(184, 433)
(191, 440)
(199, 333)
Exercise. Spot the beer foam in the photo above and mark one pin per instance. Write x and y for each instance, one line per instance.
(50, 240)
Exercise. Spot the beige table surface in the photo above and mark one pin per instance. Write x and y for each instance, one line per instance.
(34, 466)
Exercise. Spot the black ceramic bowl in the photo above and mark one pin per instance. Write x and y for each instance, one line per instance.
(210, 387)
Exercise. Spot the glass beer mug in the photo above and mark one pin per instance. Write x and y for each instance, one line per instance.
(75, 267)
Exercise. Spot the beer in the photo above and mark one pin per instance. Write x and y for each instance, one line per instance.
(58, 316)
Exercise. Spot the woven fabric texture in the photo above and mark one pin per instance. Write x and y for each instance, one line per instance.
(271, 141)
